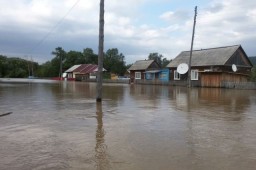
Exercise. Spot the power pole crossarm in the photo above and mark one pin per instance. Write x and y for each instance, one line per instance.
(191, 49)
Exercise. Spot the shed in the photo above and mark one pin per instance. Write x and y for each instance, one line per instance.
(213, 66)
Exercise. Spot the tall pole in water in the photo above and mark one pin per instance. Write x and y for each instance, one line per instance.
(100, 53)
(191, 49)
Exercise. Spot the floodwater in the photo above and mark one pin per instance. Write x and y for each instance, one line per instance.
(59, 126)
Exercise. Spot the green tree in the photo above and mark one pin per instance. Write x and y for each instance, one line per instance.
(90, 57)
(114, 62)
(3, 65)
(253, 74)
(73, 58)
(48, 69)
(15, 67)
(165, 62)
(60, 55)
(159, 58)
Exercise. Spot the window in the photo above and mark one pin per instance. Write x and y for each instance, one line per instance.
(176, 75)
(194, 74)
(150, 76)
(137, 75)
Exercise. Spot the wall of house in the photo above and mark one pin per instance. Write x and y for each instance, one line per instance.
(80, 77)
(164, 75)
(214, 79)
(132, 74)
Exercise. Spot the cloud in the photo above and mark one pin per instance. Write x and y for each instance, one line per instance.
(25, 23)
(228, 25)
(175, 17)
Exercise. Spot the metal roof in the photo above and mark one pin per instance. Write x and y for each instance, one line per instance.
(84, 68)
(205, 57)
(71, 69)
(141, 65)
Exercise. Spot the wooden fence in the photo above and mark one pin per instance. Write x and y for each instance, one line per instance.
(239, 85)
(167, 83)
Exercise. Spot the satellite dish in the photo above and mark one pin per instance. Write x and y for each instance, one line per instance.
(64, 75)
(182, 68)
(234, 68)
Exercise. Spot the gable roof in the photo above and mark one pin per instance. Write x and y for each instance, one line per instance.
(253, 60)
(206, 57)
(141, 65)
(83, 68)
(71, 69)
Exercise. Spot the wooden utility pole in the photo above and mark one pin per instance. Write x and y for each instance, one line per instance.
(100, 53)
(191, 49)
(60, 75)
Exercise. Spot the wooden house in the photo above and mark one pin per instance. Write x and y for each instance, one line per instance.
(82, 71)
(138, 69)
(210, 67)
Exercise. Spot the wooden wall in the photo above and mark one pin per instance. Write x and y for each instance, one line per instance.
(132, 74)
(214, 79)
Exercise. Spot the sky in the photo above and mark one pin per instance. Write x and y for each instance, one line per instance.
(32, 29)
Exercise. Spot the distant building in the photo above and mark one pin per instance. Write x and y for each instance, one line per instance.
(82, 71)
(210, 67)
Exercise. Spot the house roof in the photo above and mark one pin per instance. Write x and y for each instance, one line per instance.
(83, 68)
(71, 69)
(253, 60)
(205, 57)
(141, 65)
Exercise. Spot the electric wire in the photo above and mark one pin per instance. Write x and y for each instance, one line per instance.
(53, 28)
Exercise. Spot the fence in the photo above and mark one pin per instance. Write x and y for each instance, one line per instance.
(121, 81)
(167, 83)
(229, 85)
(239, 85)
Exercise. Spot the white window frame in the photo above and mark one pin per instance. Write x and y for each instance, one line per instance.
(194, 75)
(176, 75)
(137, 75)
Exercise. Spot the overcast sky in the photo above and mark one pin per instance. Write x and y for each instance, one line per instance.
(34, 28)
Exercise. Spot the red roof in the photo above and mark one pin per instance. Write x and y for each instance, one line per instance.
(86, 68)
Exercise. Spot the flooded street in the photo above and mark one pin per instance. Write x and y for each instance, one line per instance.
(137, 127)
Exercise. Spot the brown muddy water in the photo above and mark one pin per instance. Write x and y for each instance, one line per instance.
(137, 127)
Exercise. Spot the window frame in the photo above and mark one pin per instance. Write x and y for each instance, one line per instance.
(136, 75)
(176, 75)
(194, 74)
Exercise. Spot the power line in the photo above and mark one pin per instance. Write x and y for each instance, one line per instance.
(54, 27)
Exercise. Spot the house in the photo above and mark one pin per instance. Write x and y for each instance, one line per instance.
(211, 67)
(82, 71)
(159, 74)
(139, 68)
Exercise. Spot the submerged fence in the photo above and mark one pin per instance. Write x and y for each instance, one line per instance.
(224, 84)
(167, 83)
(239, 85)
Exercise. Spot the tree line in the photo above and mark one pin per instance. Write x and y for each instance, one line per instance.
(114, 62)
(16, 67)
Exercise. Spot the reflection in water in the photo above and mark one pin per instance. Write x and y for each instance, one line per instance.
(212, 102)
(148, 127)
(102, 162)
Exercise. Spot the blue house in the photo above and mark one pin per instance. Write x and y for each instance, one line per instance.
(162, 75)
